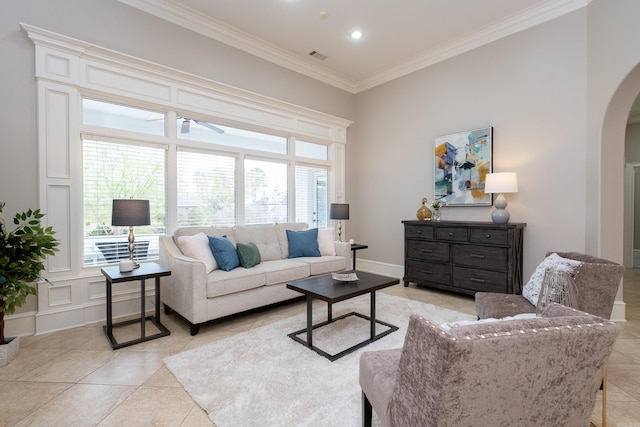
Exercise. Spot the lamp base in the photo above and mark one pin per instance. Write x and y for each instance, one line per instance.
(501, 214)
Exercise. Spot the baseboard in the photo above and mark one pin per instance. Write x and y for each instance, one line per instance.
(37, 323)
(382, 268)
(21, 324)
(619, 312)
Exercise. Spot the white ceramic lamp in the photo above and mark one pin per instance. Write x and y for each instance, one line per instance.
(501, 182)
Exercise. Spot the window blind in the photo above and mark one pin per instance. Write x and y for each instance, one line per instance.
(120, 170)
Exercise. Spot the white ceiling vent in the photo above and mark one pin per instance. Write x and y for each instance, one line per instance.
(318, 55)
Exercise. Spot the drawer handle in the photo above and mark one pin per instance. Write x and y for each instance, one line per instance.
(450, 233)
(428, 251)
(426, 271)
(473, 279)
(488, 236)
(477, 256)
(419, 232)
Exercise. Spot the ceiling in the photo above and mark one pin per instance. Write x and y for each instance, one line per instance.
(399, 36)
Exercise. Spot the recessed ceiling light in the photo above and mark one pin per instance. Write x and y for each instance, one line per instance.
(356, 34)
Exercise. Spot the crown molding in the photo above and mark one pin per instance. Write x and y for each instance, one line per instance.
(220, 31)
(520, 22)
(217, 30)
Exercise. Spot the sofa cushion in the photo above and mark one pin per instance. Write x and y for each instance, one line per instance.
(303, 243)
(264, 237)
(224, 252)
(197, 246)
(283, 271)
(248, 254)
(325, 241)
(221, 282)
(531, 290)
(323, 265)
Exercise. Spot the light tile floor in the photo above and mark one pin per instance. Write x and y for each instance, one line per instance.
(73, 378)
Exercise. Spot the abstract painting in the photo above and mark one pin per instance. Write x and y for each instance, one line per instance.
(462, 161)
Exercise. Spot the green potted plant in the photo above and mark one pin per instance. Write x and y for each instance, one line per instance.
(21, 254)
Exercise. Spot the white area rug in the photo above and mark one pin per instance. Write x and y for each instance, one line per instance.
(264, 378)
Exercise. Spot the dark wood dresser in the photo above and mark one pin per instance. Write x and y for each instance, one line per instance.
(464, 257)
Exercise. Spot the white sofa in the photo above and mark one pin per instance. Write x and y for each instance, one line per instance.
(200, 296)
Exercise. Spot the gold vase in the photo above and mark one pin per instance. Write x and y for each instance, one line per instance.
(424, 213)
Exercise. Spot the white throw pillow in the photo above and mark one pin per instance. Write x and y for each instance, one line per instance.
(197, 246)
(325, 241)
(531, 290)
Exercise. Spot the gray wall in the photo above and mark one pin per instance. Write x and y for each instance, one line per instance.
(530, 87)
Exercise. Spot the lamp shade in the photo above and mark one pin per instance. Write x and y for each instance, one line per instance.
(501, 182)
(130, 212)
(339, 211)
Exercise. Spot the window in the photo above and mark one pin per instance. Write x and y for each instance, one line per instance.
(206, 189)
(116, 116)
(119, 170)
(311, 196)
(236, 177)
(312, 150)
(265, 192)
(198, 130)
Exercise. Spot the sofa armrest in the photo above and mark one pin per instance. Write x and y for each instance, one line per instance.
(185, 291)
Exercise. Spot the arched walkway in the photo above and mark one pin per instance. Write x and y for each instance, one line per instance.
(611, 207)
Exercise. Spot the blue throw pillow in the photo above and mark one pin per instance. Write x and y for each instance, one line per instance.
(303, 243)
(224, 252)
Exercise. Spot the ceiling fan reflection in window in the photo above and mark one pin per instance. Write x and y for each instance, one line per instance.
(186, 125)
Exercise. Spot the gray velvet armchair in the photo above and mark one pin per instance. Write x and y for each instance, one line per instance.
(541, 371)
(597, 282)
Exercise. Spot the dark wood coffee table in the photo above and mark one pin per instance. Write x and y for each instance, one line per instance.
(332, 291)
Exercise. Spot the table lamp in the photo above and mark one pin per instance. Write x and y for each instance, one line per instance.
(501, 182)
(130, 213)
(339, 211)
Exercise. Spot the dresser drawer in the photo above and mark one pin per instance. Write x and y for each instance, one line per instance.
(490, 236)
(484, 257)
(452, 234)
(420, 271)
(418, 232)
(428, 250)
(479, 280)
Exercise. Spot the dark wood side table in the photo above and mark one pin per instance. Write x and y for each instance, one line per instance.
(149, 270)
(356, 247)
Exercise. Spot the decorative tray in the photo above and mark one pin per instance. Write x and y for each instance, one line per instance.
(344, 277)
